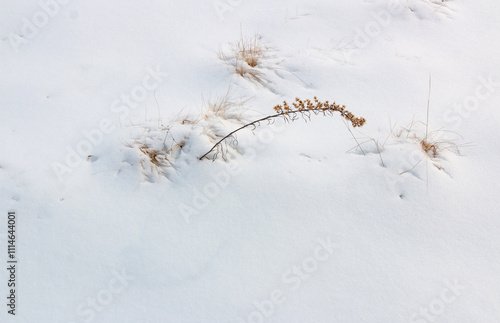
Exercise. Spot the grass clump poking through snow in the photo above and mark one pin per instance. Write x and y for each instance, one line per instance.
(245, 56)
(157, 150)
(249, 50)
(433, 145)
(223, 108)
(303, 108)
(161, 151)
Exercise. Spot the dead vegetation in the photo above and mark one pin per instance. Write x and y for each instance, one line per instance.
(157, 158)
(224, 107)
(162, 149)
(245, 53)
(246, 56)
(301, 108)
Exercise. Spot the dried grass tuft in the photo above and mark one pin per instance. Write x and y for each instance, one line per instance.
(223, 107)
(245, 56)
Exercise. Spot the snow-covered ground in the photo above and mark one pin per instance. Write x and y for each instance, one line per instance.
(304, 222)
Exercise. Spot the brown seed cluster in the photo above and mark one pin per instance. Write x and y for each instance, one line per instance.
(300, 108)
(316, 107)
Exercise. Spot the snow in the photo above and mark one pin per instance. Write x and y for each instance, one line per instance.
(301, 224)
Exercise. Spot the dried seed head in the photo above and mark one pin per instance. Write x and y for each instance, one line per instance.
(317, 107)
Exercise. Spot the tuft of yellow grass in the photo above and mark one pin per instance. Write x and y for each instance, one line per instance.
(246, 55)
(249, 50)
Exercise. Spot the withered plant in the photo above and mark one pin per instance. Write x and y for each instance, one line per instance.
(223, 107)
(162, 150)
(157, 159)
(300, 108)
(246, 56)
(431, 144)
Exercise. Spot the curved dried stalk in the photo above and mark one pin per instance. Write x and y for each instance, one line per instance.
(303, 108)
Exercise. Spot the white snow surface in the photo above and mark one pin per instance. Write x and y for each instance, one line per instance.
(301, 224)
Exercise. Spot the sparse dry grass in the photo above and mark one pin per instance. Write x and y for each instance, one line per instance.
(223, 107)
(157, 160)
(249, 50)
(160, 148)
(433, 144)
(245, 56)
(154, 156)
